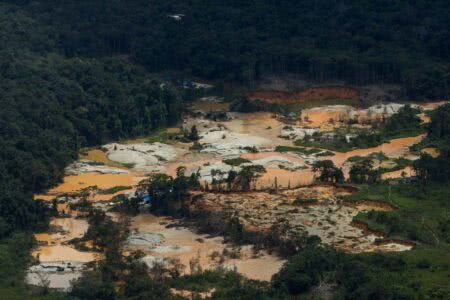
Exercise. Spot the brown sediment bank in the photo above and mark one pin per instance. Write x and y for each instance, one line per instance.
(365, 228)
(310, 94)
(375, 205)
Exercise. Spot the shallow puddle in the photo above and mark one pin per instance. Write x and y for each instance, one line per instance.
(183, 244)
(54, 246)
(102, 181)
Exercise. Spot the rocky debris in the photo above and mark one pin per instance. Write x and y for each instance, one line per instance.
(171, 249)
(386, 109)
(57, 275)
(206, 170)
(53, 267)
(146, 239)
(88, 166)
(296, 133)
(151, 261)
(326, 218)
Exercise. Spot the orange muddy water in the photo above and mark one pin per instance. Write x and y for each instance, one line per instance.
(184, 244)
(393, 149)
(102, 181)
(54, 246)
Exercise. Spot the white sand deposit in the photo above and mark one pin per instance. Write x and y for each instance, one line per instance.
(228, 144)
(143, 157)
(275, 162)
(88, 166)
(146, 239)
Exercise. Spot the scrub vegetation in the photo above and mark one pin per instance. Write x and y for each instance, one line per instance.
(405, 123)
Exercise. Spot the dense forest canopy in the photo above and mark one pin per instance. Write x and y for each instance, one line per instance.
(79, 73)
(52, 105)
(379, 41)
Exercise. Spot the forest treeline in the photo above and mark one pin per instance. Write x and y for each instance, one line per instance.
(52, 105)
(404, 42)
(436, 169)
(76, 74)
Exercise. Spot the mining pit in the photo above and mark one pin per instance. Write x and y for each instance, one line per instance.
(284, 195)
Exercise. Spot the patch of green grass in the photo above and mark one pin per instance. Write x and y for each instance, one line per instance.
(220, 280)
(363, 138)
(422, 213)
(159, 137)
(434, 278)
(380, 156)
(422, 216)
(300, 150)
(399, 164)
(114, 190)
(428, 143)
(128, 165)
(236, 161)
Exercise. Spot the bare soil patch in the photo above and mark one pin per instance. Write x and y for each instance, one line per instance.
(308, 95)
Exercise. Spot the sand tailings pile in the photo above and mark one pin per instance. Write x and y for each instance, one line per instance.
(146, 239)
(277, 162)
(88, 166)
(143, 157)
(227, 144)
